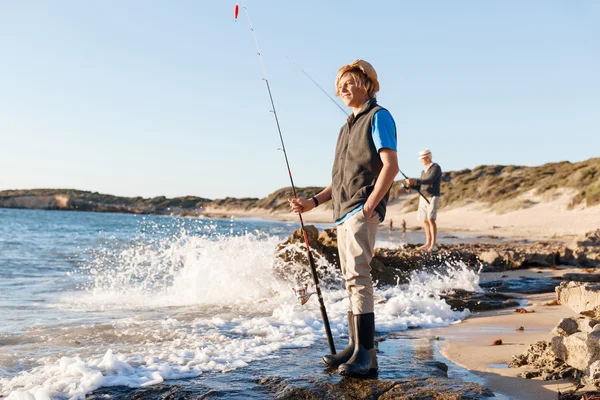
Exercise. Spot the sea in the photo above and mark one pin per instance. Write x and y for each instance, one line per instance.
(130, 305)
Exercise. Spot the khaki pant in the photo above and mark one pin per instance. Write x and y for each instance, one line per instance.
(356, 242)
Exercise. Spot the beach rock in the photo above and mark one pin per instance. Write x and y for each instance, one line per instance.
(539, 354)
(592, 374)
(579, 349)
(540, 260)
(590, 239)
(592, 314)
(439, 366)
(587, 325)
(542, 362)
(573, 352)
(491, 257)
(566, 256)
(586, 250)
(434, 388)
(353, 388)
(569, 326)
(529, 374)
(578, 296)
(395, 266)
(378, 265)
(566, 327)
(328, 237)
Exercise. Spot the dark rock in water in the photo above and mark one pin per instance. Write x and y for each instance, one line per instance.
(461, 299)
(396, 265)
(432, 388)
(352, 388)
(157, 392)
(348, 388)
(439, 366)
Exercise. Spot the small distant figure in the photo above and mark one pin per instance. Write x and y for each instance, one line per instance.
(403, 230)
(391, 225)
(431, 178)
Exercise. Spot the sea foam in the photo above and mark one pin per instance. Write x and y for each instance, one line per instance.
(222, 308)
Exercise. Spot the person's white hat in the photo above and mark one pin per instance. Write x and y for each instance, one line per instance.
(424, 153)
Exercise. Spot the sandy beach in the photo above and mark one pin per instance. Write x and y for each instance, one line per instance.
(543, 220)
(469, 343)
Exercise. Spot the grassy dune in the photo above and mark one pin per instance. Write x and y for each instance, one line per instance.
(501, 187)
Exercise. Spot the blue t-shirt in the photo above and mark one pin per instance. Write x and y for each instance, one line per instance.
(384, 137)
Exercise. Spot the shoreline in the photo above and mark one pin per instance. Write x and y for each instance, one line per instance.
(533, 225)
(468, 344)
(542, 219)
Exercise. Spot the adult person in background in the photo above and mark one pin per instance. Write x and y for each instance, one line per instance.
(431, 179)
(364, 169)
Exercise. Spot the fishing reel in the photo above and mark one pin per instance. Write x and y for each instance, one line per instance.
(302, 293)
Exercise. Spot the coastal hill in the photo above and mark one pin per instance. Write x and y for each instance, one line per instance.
(501, 188)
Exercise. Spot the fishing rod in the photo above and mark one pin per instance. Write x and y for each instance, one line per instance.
(311, 261)
(408, 187)
(345, 112)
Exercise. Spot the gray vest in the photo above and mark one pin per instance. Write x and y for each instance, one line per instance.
(357, 164)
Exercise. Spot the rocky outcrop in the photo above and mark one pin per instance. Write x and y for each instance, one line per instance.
(80, 200)
(435, 387)
(569, 326)
(587, 248)
(541, 361)
(391, 266)
(579, 349)
(48, 202)
(574, 349)
(578, 296)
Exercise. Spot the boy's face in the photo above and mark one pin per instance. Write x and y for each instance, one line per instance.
(351, 95)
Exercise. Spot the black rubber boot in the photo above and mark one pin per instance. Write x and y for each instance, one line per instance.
(344, 355)
(364, 360)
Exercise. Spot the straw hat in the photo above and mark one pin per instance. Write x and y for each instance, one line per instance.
(366, 69)
(424, 153)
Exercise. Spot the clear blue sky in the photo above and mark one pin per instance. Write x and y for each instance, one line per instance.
(166, 98)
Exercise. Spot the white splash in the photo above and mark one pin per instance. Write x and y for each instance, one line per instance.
(232, 271)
